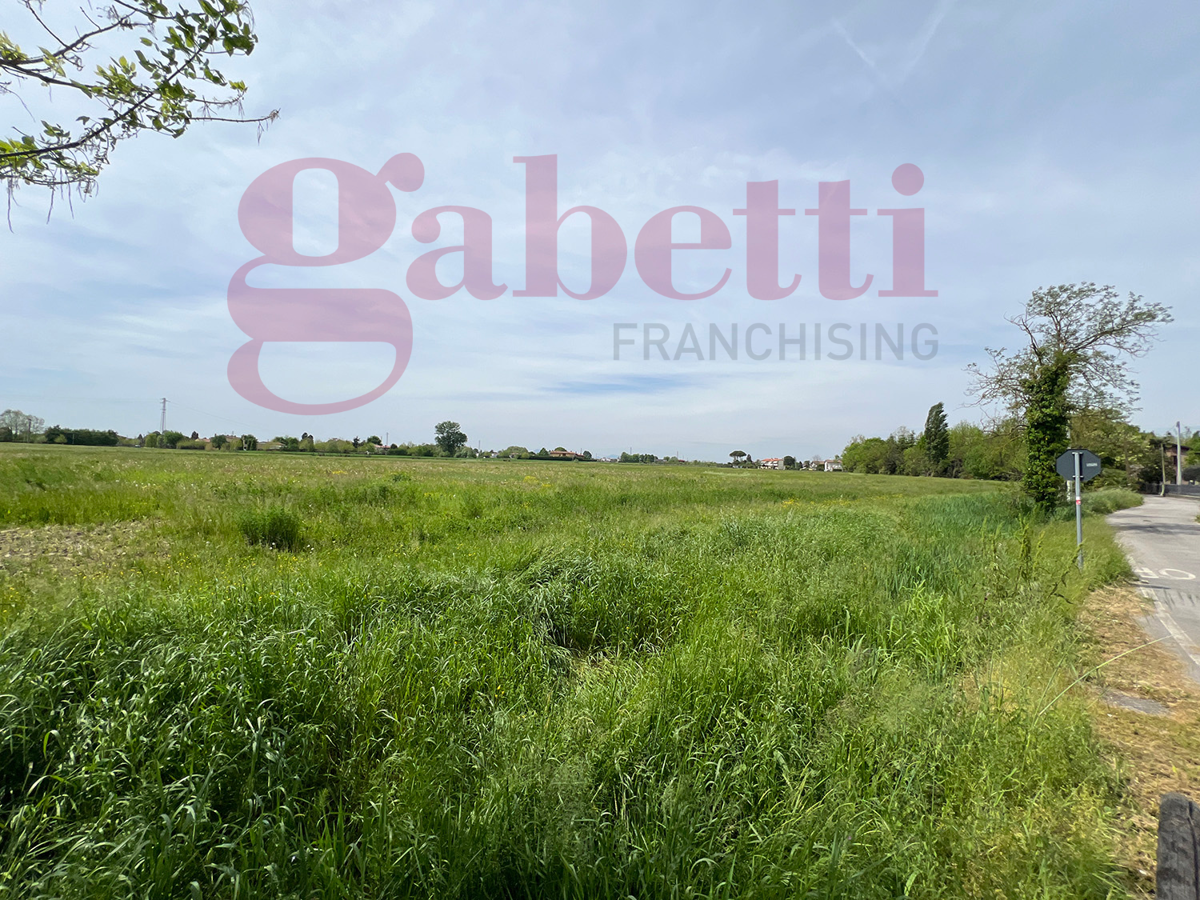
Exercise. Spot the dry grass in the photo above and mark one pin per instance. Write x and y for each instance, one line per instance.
(68, 549)
(1155, 754)
(49, 565)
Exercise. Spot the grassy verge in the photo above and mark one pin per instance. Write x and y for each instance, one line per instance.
(531, 679)
(1109, 500)
(1155, 750)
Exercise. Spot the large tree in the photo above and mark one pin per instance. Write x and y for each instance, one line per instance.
(1078, 340)
(162, 81)
(449, 437)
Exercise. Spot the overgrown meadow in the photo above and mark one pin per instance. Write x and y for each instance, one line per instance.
(267, 675)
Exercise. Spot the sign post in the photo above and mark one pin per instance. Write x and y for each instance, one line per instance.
(1079, 466)
(1079, 507)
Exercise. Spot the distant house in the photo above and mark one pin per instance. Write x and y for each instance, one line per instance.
(565, 454)
(771, 463)
(1171, 454)
(833, 465)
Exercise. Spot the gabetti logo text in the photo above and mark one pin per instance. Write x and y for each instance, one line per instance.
(367, 218)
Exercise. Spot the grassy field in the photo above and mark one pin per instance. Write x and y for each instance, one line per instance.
(257, 675)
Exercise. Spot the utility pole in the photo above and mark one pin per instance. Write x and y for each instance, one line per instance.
(162, 428)
(1178, 453)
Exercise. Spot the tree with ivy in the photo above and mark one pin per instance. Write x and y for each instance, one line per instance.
(165, 80)
(1079, 339)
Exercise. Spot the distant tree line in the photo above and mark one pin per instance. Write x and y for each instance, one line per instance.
(84, 437)
(20, 426)
(449, 441)
(965, 450)
(1000, 451)
(638, 458)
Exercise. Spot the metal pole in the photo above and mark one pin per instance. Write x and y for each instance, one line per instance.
(162, 428)
(1178, 454)
(1162, 449)
(1078, 508)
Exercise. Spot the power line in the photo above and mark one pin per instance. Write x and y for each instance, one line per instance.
(212, 415)
(58, 397)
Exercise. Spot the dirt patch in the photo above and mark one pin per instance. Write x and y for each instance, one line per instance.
(1137, 704)
(71, 550)
(1155, 753)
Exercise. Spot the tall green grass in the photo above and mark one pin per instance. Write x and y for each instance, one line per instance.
(537, 680)
(1109, 500)
(276, 527)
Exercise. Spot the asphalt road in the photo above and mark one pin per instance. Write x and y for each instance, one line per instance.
(1162, 540)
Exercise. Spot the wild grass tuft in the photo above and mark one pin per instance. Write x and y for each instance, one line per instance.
(271, 526)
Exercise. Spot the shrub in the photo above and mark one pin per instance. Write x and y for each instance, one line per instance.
(272, 526)
(1109, 500)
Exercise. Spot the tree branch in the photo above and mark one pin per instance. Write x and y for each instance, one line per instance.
(103, 129)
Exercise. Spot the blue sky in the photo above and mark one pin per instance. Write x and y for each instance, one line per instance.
(1058, 141)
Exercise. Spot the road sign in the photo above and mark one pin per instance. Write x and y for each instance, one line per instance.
(1089, 465)
(1077, 466)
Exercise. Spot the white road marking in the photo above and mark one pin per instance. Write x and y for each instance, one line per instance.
(1179, 575)
(1169, 573)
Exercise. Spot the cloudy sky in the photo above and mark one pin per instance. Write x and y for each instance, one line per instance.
(1058, 141)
